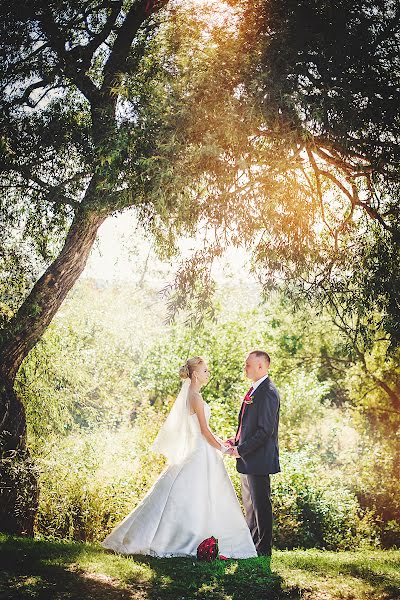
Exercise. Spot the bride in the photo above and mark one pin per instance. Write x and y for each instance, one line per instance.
(193, 498)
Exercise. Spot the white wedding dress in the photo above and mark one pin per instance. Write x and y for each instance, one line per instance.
(192, 500)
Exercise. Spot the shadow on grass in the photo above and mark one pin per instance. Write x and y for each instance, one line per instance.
(26, 573)
(370, 569)
(183, 579)
(47, 570)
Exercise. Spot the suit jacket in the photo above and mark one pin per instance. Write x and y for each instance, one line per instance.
(258, 443)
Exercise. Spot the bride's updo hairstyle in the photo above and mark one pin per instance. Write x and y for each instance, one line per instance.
(186, 370)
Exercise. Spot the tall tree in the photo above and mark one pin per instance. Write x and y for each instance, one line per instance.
(89, 128)
(316, 195)
(317, 192)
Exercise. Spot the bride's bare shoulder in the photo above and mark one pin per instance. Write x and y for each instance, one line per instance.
(195, 399)
(195, 396)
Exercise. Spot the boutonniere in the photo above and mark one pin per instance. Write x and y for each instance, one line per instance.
(248, 399)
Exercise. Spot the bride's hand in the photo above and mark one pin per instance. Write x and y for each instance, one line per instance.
(224, 449)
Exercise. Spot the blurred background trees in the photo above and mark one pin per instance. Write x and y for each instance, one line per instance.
(90, 429)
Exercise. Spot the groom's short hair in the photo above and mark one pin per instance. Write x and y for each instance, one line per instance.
(261, 354)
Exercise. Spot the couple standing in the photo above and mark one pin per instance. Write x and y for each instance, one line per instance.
(194, 498)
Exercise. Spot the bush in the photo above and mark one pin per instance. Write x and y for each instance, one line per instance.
(95, 465)
(91, 481)
(390, 534)
(312, 509)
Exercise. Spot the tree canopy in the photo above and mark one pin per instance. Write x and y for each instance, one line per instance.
(317, 192)
(328, 76)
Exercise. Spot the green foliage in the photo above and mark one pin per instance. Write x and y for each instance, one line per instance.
(331, 86)
(316, 510)
(91, 428)
(59, 398)
(18, 492)
(90, 481)
(323, 74)
(193, 122)
(304, 404)
(187, 142)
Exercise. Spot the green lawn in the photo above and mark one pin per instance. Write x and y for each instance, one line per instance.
(50, 570)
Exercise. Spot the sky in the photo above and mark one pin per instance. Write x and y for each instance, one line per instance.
(121, 249)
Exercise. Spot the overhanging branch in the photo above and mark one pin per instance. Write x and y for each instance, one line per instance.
(135, 17)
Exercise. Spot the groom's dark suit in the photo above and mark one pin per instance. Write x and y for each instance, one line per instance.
(258, 448)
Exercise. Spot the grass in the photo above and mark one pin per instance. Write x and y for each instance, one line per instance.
(55, 570)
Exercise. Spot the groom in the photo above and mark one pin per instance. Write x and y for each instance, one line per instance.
(255, 446)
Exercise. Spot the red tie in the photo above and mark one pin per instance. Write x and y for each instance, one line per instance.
(237, 437)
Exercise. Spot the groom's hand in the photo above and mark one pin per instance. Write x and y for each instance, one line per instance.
(233, 452)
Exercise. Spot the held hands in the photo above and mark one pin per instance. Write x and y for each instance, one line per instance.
(233, 452)
(230, 448)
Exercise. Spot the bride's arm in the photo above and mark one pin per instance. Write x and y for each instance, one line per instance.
(218, 438)
(198, 406)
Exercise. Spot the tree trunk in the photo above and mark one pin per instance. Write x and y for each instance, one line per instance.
(27, 326)
(19, 492)
(18, 482)
(393, 397)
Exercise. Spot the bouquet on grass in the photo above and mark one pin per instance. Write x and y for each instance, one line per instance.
(208, 550)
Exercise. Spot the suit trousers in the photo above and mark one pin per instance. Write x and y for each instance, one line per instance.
(256, 496)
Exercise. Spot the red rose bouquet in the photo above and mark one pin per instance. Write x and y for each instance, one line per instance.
(208, 549)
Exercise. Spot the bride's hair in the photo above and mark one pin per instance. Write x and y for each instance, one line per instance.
(190, 365)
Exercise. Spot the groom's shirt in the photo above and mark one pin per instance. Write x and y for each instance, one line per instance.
(258, 382)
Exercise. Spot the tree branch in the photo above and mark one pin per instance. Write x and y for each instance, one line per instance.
(353, 196)
(320, 194)
(72, 69)
(31, 88)
(84, 54)
(135, 17)
(55, 193)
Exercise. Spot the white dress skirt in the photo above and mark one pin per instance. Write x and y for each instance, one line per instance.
(189, 502)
